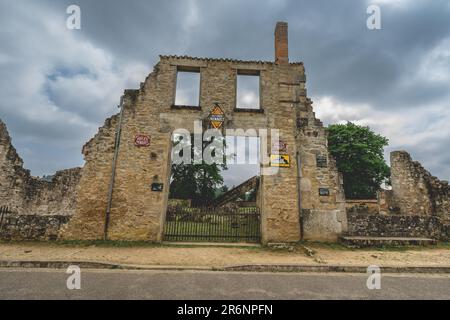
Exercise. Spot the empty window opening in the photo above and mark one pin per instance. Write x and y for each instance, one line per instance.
(242, 150)
(188, 88)
(248, 93)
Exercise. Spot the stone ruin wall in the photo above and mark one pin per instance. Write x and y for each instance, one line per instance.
(31, 227)
(28, 195)
(417, 206)
(415, 190)
(323, 217)
(32, 201)
(397, 225)
(88, 223)
(394, 225)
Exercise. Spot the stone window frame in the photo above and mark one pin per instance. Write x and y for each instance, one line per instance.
(192, 69)
(248, 72)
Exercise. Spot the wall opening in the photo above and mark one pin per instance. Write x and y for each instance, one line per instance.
(188, 87)
(214, 203)
(248, 90)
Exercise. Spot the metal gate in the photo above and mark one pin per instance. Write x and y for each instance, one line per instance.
(4, 212)
(213, 224)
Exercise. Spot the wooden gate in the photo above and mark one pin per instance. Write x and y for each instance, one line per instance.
(213, 224)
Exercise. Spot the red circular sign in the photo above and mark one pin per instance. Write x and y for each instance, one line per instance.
(280, 145)
(142, 141)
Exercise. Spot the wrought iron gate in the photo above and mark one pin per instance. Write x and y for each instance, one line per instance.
(213, 224)
(4, 212)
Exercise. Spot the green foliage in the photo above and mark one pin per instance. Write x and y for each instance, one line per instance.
(359, 155)
(197, 182)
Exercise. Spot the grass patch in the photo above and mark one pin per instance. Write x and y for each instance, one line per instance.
(443, 245)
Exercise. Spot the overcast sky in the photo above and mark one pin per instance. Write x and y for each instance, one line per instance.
(58, 85)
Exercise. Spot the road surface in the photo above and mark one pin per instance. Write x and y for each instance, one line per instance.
(187, 285)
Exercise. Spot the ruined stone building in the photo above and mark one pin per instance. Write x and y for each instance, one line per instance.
(137, 212)
(113, 195)
(38, 207)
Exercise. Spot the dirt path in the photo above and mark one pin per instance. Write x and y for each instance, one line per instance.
(224, 256)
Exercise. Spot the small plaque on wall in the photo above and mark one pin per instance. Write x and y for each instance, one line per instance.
(324, 192)
(141, 141)
(157, 187)
(321, 161)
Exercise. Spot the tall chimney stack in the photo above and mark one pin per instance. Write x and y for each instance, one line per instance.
(281, 43)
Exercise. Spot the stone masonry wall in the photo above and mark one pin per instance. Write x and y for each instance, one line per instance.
(15, 227)
(323, 214)
(394, 225)
(415, 190)
(28, 195)
(88, 222)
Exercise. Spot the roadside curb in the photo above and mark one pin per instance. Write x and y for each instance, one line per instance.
(238, 268)
(331, 268)
(94, 265)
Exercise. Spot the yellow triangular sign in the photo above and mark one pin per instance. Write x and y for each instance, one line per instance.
(217, 117)
(216, 124)
(217, 110)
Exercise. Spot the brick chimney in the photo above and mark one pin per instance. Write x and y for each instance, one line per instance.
(281, 43)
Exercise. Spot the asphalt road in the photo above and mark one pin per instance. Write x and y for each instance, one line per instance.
(186, 285)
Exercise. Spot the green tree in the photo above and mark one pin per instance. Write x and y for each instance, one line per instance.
(359, 155)
(197, 182)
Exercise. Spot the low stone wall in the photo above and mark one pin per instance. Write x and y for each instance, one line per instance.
(417, 226)
(31, 227)
(362, 206)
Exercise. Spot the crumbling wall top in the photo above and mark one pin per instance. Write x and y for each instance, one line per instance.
(203, 59)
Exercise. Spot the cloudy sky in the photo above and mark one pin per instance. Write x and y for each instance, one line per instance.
(58, 85)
